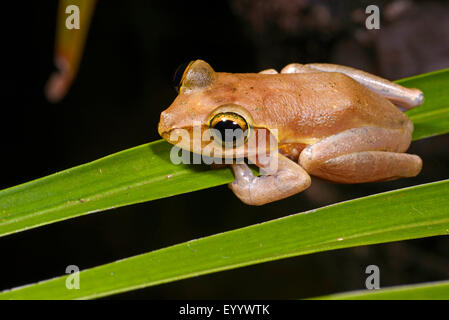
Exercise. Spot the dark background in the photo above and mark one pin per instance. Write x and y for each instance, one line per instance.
(124, 82)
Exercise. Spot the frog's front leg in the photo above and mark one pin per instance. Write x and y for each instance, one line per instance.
(288, 180)
(269, 71)
(406, 98)
(360, 155)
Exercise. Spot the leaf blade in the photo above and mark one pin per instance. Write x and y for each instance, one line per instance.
(135, 175)
(432, 118)
(438, 290)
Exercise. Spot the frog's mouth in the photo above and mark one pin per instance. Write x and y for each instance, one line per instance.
(181, 137)
(199, 140)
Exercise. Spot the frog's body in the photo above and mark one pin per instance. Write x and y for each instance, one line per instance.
(305, 108)
(339, 123)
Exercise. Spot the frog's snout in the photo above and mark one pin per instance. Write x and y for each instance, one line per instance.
(167, 128)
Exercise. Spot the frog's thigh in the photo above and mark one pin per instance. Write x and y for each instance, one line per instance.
(288, 180)
(369, 166)
(361, 155)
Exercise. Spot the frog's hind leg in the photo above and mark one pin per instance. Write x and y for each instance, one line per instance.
(289, 179)
(403, 97)
(360, 155)
(369, 166)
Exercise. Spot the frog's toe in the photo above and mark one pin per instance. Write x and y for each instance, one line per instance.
(269, 71)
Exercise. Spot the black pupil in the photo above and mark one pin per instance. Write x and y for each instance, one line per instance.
(178, 75)
(226, 128)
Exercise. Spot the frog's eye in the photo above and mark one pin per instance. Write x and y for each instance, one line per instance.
(180, 75)
(231, 128)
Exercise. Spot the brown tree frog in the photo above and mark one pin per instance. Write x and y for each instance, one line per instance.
(334, 122)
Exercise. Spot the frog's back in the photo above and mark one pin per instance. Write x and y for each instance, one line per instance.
(317, 105)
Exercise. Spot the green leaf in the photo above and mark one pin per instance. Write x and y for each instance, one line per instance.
(423, 291)
(146, 173)
(415, 212)
(135, 175)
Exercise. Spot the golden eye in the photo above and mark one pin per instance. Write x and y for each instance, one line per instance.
(180, 75)
(232, 128)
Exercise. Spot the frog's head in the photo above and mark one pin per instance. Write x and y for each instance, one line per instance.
(207, 100)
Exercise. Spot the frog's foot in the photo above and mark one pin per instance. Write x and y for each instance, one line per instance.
(403, 97)
(288, 180)
(361, 155)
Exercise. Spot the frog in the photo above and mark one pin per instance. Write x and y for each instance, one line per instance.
(333, 122)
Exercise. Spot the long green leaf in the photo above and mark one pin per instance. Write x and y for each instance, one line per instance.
(423, 291)
(135, 175)
(145, 173)
(432, 118)
(415, 212)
